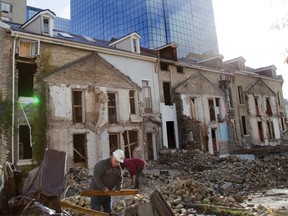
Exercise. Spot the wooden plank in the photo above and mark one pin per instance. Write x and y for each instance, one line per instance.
(160, 204)
(109, 193)
(65, 204)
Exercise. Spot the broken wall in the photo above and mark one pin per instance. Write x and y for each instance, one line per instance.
(6, 45)
(95, 79)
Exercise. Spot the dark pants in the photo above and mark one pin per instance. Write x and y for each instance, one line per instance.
(104, 201)
(137, 178)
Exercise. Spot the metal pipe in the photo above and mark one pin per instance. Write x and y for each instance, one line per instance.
(27, 123)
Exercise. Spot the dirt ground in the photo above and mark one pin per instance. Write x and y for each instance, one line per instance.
(276, 200)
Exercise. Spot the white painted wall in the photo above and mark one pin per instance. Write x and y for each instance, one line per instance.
(168, 113)
(137, 70)
(276, 125)
(251, 105)
(61, 102)
(97, 145)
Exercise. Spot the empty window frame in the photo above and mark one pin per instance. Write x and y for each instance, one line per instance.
(135, 45)
(282, 121)
(130, 142)
(25, 147)
(164, 66)
(26, 74)
(240, 94)
(114, 142)
(147, 96)
(28, 48)
(77, 106)
(260, 131)
(256, 106)
(218, 108)
(268, 107)
(170, 126)
(46, 27)
(5, 7)
(193, 109)
(270, 128)
(211, 110)
(180, 69)
(167, 93)
(279, 98)
(79, 149)
(112, 108)
(243, 124)
(132, 102)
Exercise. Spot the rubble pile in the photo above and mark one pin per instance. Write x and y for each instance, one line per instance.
(77, 180)
(179, 194)
(230, 174)
(202, 179)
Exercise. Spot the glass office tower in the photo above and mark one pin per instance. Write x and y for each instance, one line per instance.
(189, 23)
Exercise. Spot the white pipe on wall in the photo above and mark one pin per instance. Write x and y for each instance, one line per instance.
(13, 97)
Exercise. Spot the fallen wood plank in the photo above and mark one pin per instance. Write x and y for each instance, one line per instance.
(109, 193)
(65, 204)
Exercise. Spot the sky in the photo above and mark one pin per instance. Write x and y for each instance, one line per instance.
(243, 29)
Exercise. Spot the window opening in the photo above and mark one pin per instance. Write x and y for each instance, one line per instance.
(167, 93)
(256, 106)
(147, 97)
(164, 66)
(26, 74)
(260, 131)
(279, 98)
(171, 134)
(112, 109)
(193, 108)
(241, 95)
(135, 44)
(180, 69)
(130, 142)
(46, 25)
(28, 49)
(149, 141)
(132, 101)
(25, 148)
(271, 131)
(79, 149)
(77, 103)
(5, 7)
(218, 109)
(244, 129)
(114, 142)
(268, 107)
(211, 110)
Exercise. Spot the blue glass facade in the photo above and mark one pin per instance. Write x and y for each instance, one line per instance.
(60, 23)
(189, 23)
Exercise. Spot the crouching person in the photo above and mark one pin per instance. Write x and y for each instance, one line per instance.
(135, 167)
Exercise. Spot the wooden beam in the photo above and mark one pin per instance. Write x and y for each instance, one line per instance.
(109, 193)
(65, 204)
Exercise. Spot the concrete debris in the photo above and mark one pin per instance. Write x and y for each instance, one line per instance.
(191, 179)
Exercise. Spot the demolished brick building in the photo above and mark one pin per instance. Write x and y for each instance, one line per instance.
(104, 95)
